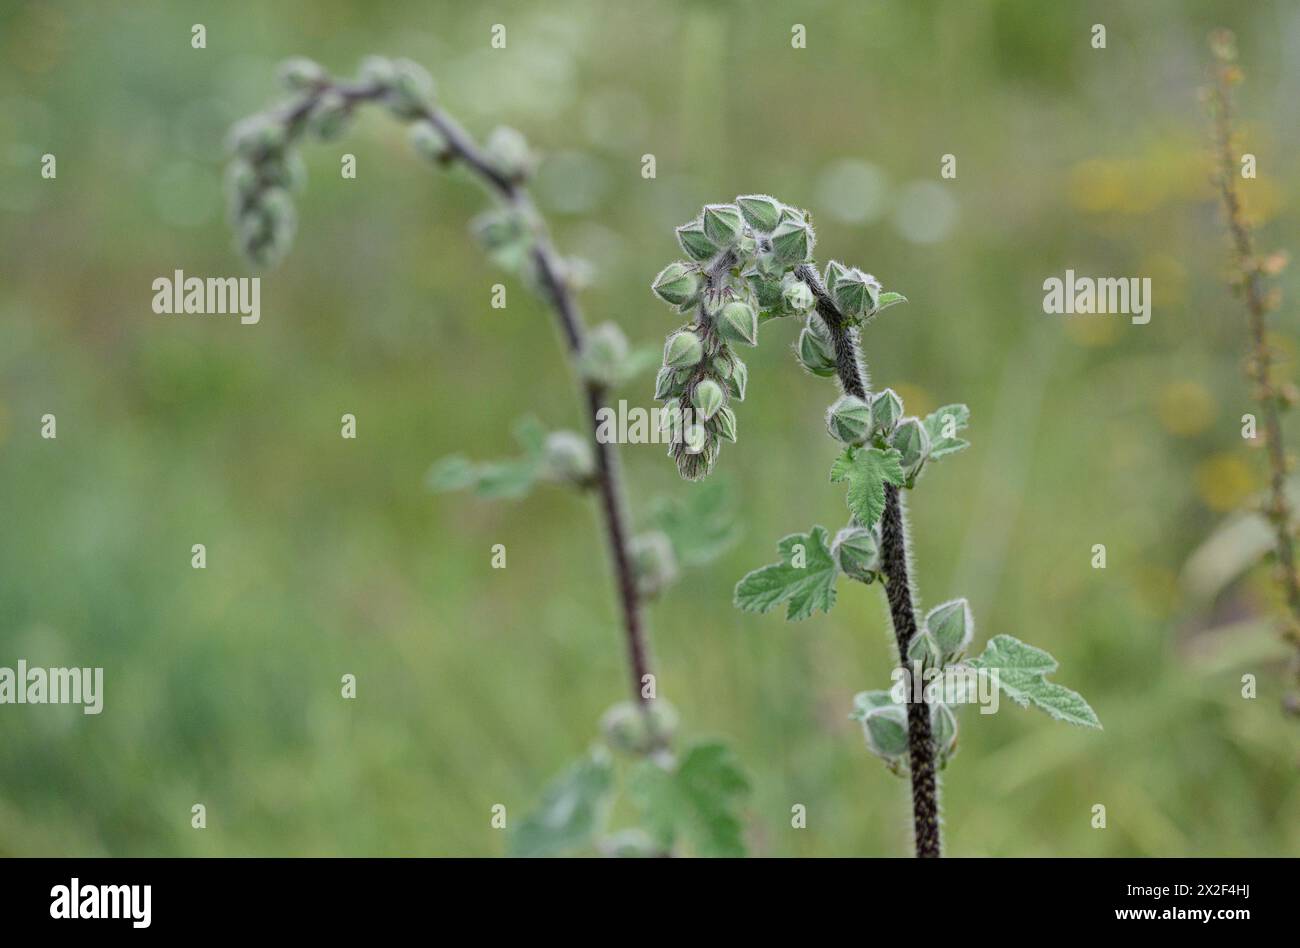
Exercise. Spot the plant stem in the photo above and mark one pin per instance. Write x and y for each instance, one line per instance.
(1260, 360)
(558, 295)
(898, 586)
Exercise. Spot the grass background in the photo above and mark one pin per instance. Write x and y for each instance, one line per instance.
(328, 556)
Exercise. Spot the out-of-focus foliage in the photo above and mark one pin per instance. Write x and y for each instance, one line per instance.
(329, 556)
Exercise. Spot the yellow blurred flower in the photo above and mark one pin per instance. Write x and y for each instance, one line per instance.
(1224, 482)
(1185, 408)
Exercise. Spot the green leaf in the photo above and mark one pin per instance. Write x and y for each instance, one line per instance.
(949, 419)
(804, 588)
(508, 480)
(1022, 672)
(888, 299)
(530, 434)
(455, 472)
(697, 800)
(573, 809)
(867, 470)
(700, 522)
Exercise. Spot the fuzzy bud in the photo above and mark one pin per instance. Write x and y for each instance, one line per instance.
(886, 408)
(848, 419)
(737, 322)
(943, 728)
(695, 242)
(924, 649)
(604, 354)
(864, 702)
(329, 119)
(569, 457)
(913, 443)
(666, 384)
(798, 296)
(257, 137)
(739, 379)
(834, 270)
(792, 242)
(761, 212)
(951, 626)
(411, 89)
(428, 142)
(815, 349)
(653, 562)
(300, 74)
(725, 424)
(885, 729)
(857, 553)
(722, 223)
(683, 350)
(509, 152)
(378, 71)
(635, 729)
(677, 284)
(708, 398)
(768, 292)
(856, 293)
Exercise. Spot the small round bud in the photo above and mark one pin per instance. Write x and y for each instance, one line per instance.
(708, 398)
(683, 350)
(568, 457)
(653, 562)
(815, 350)
(943, 728)
(864, 702)
(856, 293)
(737, 322)
(726, 424)
(256, 137)
(857, 553)
(330, 117)
(924, 649)
(428, 142)
(677, 284)
(792, 242)
(378, 71)
(666, 385)
(913, 442)
(604, 354)
(761, 212)
(799, 296)
(510, 153)
(886, 408)
(739, 379)
(634, 728)
(767, 291)
(848, 419)
(722, 223)
(411, 90)
(241, 180)
(834, 270)
(300, 74)
(885, 729)
(695, 242)
(952, 626)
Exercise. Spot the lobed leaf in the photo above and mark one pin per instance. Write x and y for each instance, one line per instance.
(696, 800)
(1022, 672)
(804, 588)
(866, 470)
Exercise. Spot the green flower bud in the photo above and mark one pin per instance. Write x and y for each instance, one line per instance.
(683, 350)
(722, 366)
(886, 408)
(631, 728)
(378, 71)
(666, 385)
(411, 89)
(857, 553)
(913, 443)
(848, 419)
(738, 323)
(329, 118)
(569, 457)
(256, 137)
(653, 562)
(241, 180)
(695, 437)
(670, 420)
(856, 293)
(769, 265)
(695, 242)
(792, 242)
(285, 170)
(924, 649)
(708, 398)
(952, 627)
(505, 235)
(943, 728)
(509, 152)
(739, 379)
(677, 284)
(629, 844)
(300, 73)
(725, 424)
(767, 291)
(762, 212)
(799, 296)
(815, 349)
(834, 270)
(428, 142)
(864, 702)
(722, 223)
(885, 729)
(604, 354)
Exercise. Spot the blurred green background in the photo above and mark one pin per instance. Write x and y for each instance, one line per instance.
(328, 556)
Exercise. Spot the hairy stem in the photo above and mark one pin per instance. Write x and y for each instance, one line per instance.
(558, 294)
(1259, 362)
(902, 612)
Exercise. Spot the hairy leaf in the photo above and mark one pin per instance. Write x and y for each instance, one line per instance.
(866, 470)
(696, 801)
(937, 423)
(1022, 672)
(573, 809)
(804, 588)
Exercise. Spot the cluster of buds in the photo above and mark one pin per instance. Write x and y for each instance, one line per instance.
(639, 729)
(877, 420)
(884, 727)
(740, 271)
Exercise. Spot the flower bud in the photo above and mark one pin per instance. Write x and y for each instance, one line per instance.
(683, 350)
(768, 292)
(761, 212)
(653, 562)
(670, 421)
(300, 73)
(428, 142)
(677, 284)
(885, 729)
(722, 223)
(848, 419)
(886, 408)
(509, 152)
(925, 650)
(913, 443)
(569, 457)
(241, 180)
(739, 379)
(834, 270)
(329, 118)
(636, 729)
(943, 729)
(695, 242)
(722, 365)
(725, 424)
(792, 242)
(411, 89)
(857, 553)
(864, 702)
(952, 626)
(799, 296)
(378, 71)
(604, 354)
(738, 323)
(708, 398)
(694, 436)
(856, 293)
(815, 350)
(666, 385)
(256, 137)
